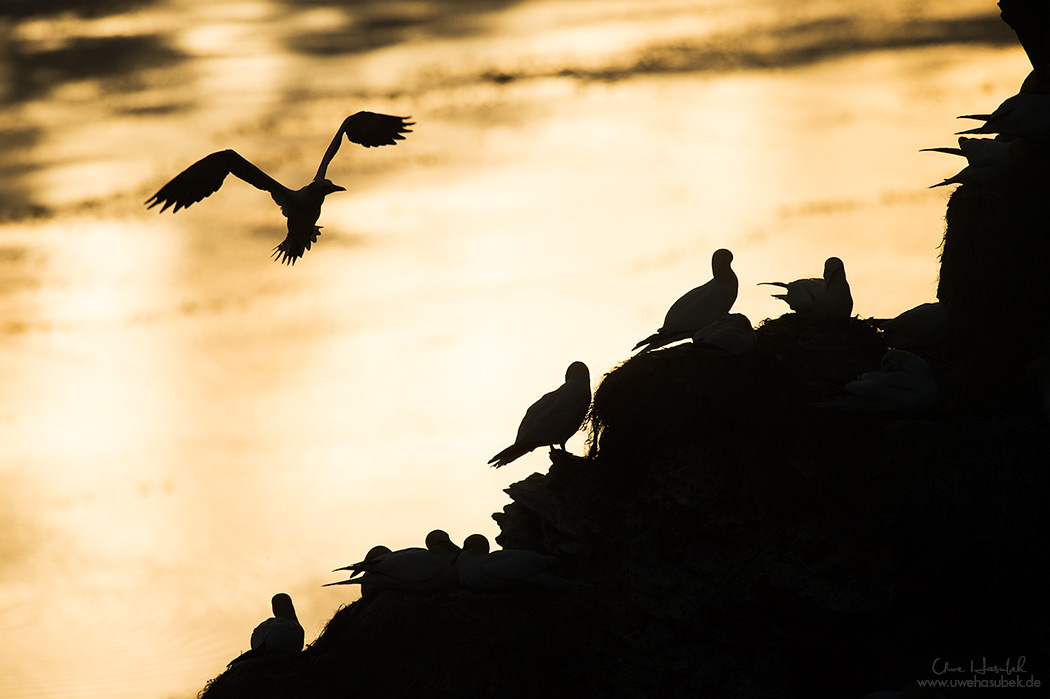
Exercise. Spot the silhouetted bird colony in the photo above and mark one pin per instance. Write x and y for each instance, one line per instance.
(1018, 134)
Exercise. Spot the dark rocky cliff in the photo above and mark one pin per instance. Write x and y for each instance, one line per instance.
(739, 541)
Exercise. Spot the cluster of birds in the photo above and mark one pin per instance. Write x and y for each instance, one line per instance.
(904, 382)
(441, 565)
(1021, 130)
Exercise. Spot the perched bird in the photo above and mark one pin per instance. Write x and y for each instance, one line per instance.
(1024, 115)
(699, 307)
(301, 207)
(482, 571)
(373, 553)
(989, 162)
(819, 299)
(280, 635)
(731, 333)
(554, 418)
(412, 569)
(904, 383)
(925, 325)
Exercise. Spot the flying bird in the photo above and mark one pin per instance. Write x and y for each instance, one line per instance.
(699, 307)
(482, 571)
(554, 418)
(280, 635)
(819, 299)
(301, 207)
(412, 569)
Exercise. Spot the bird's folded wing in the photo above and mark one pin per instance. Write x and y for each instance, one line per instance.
(367, 129)
(204, 178)
(554, 414)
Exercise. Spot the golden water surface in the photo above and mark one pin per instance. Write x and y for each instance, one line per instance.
(187, 427)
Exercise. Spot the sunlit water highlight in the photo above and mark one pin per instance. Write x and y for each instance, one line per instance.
(189, 427)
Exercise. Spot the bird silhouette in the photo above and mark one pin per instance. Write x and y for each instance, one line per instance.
(481, 571)
(280, 635)
(732, 333)
(554, 418)
(302, 207)
(411, 570)
(699, 307)
(926, 325)
(819, 299)
(989, 162)
(1025, 115)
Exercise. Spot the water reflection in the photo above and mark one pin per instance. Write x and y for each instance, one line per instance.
(189, 427)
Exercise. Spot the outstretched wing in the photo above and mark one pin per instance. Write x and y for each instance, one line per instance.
(367, 129)
(205, 176)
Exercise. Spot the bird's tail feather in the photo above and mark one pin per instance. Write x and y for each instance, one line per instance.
(293, 246)
(509, 454)
(647, 341)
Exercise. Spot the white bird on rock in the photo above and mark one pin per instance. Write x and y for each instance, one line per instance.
(731, 333)
(302, 207)
(925, 325)
(904, 383)
(554, 418)
(482, 571)
(699, 307)
(412, 569)
(281, 635)
(1025, 115)
(819, 299)
(989, 162)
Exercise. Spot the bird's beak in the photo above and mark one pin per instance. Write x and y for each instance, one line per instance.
(337, 188)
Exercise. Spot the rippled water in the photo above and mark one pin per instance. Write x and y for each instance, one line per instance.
(188, 427)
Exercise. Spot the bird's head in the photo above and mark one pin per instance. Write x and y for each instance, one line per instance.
(325, 187)
(282, 606)
(439, 542)
(721, 262)
(476, 543)
(833, 268)
(578, 371)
